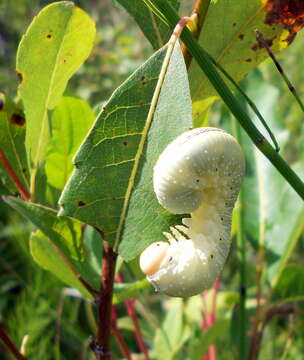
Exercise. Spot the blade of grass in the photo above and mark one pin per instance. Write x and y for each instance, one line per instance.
(224, 92)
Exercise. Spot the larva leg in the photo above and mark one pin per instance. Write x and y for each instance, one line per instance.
(170, 238)
(177, 234)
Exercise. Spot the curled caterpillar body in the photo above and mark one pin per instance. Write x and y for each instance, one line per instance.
(199, 173)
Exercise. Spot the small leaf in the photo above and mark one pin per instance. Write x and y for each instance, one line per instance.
(70, 122)
(97, 189)
(63, 233)
(168, 338)
(12, 134)
(228, 35)
(55, 45)
(154, 29)
(126, 291)
(45, 254)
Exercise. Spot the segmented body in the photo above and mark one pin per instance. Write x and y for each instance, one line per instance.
(198, 173)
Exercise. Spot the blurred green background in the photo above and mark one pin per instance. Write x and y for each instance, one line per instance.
(32, 300)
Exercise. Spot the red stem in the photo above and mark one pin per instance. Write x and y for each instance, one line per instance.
(104, 303)
(10, 346)
(11, 172)
(130, 306)
(210, 318)
(121, 343)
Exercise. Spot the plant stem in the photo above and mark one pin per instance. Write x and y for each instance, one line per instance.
(203, 60)
(104, 303)
(11, 172)
(10, 346)
(284, 309)
(122, 344)
(199, 8)
(242, 260)
(130, 306)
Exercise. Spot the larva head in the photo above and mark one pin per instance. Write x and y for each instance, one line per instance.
(152, 257)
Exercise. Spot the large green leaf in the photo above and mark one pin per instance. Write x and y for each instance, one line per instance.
(274, 213)
(55, 45)
(70, 122)
(12, 134)
(154, 29)
(228, 35)
(96, 191)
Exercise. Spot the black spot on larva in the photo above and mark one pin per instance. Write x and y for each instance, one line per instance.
(17, 119)
(81, 203)
(211, 256)
(19, 76)
(1, 104)
(125, 143)
(170, 258)
(158, 244)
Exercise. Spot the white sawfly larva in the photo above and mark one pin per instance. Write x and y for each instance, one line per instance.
(199, 173)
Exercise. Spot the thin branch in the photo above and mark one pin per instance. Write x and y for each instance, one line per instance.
(199, 9)
(101, 347)
(75, 272)
(264, 44)
(284, 309)
(121, 343)
(11, 172)
(130, 306)
(10, 346)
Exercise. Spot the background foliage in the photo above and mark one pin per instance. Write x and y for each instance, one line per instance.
(56, 317)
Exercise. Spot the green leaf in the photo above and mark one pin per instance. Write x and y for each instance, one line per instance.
(154, 29)
(228, 35)
(55, 45)
(96, 191)
(217, 333)
(70, 122)
(64, 233)
(46, 255)
(168, 338)
(12, 134)
(274, 214)
(126, 291)
(291, 283)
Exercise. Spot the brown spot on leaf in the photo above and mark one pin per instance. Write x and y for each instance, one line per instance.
(289, 13)
(81, 203)
(248, 60)
(234, 24)
(143, 80)
(17, 119)
(125, 143)
(49, 36)
(258, 45)
(241, 36)
(19, 76)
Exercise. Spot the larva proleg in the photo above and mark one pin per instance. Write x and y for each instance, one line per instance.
(199, 173)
